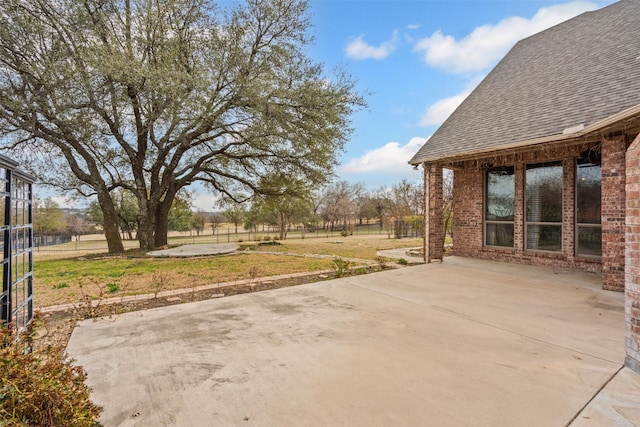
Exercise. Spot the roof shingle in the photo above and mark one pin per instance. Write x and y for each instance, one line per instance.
(579, 72)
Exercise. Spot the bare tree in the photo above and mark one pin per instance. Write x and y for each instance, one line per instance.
(400, 203)
(215, 219)
(340, 204)
(76, 226)
(197, 222)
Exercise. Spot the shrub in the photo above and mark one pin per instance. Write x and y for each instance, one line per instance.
(341, 267)
(159, 281)
(266, 238)
(344, 233)
(272, 243)
(403, 261)
(41, 387)
(382, 262)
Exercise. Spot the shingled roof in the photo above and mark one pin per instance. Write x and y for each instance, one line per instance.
(582, 72)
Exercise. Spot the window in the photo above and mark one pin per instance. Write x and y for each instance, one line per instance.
(588, 196)
(543, 203)
(499, 207)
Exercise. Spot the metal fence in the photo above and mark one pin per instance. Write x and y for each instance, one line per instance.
(50, 240)
(16, 196)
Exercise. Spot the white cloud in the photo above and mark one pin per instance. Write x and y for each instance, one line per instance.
(439, 111)
(390, 158)
(413, 26)
(488, 43)
(358, 49)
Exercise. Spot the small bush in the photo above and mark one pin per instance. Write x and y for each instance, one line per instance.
(266, 238)
(382, 262)
(41, 387)
(272, 243)
(344, 233)
(341, 267)
(254, 272)
(113, 287)
(84, 308)
(159, 281)
(403, 261)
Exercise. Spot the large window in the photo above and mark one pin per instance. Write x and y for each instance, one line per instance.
(499, 207)
(588, 196)
(543, 202)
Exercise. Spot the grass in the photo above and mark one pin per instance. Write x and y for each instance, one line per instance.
(61, 281)
(68, 277)
(362, 247)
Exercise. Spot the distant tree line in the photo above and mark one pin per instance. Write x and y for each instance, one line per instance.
(338, 207)
(50, 224)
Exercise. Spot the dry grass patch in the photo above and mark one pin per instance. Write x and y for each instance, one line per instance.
(363, 247)
(61, 281)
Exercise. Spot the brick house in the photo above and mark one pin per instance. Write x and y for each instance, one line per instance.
(545, 155)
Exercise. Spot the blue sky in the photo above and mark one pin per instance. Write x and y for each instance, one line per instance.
(418, 59)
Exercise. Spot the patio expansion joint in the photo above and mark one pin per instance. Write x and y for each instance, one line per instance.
(595, 395)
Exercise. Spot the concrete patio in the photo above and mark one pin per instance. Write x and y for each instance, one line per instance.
(466, 342)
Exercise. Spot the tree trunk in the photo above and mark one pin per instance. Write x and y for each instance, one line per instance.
(111, 223)
(162, 221)
(283, 226)
(145, 230)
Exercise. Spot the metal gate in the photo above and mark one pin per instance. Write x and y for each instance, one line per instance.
(16, 218)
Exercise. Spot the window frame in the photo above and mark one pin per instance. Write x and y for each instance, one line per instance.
(577, 225)
(486, 221)
(525, 218)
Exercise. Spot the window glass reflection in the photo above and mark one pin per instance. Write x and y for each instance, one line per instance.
(544, 193)
(543, 202)
(500, 195)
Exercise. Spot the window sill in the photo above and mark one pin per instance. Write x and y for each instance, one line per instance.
(587, 258)
(499, 248)
(544, 254)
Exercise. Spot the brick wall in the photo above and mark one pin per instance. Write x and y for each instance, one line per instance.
(468, 211)
(613, 212)
(436, 229)
(632, 256)
(568, 207)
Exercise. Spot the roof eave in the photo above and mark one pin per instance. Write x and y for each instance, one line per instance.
(595, 127)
